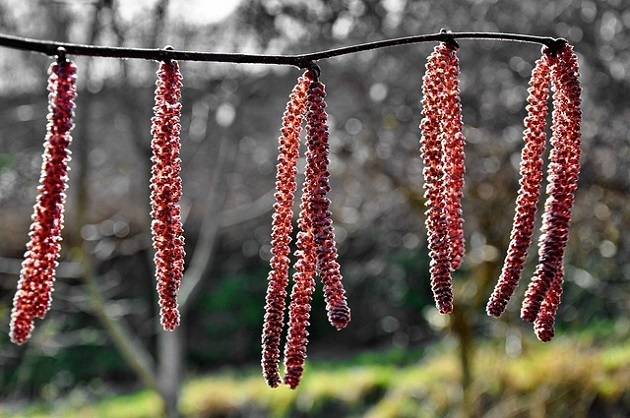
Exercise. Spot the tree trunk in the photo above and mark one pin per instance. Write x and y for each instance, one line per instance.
(462, 327)
(170, 354)
(172, 345)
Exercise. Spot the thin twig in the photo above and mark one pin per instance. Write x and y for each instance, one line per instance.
(300, 60)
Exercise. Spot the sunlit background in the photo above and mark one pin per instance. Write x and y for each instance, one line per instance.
(100, 351)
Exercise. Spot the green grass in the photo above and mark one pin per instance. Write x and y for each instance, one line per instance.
(564, 378)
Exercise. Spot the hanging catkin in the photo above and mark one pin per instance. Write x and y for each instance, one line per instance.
(319, 183)
(166, 190)
(543, 294)
(278, 280)
(531, 172)
(441, 147)
(35, 286)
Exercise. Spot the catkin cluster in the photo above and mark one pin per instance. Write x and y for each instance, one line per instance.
(442, 150)
(442, 147)
(316, 253)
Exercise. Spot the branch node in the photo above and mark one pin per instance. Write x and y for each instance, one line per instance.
(61, 55)
(314, 70)
(167, 48)
(554, 46)
(449, 39)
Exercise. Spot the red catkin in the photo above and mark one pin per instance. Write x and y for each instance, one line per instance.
(531, 173)
(453, 142)
(288, 152)
(562, 179)
(544, 325)
(166, 190)
(305, 269)
(301, 297)
(431, 148)
(319, 182)
(35, 286)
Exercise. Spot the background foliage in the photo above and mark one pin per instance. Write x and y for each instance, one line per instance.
(231, 117)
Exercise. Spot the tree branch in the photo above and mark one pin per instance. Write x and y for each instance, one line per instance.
(124, 340)
(204, 250)
(301, 60)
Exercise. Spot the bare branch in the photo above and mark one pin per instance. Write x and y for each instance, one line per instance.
(302, 60)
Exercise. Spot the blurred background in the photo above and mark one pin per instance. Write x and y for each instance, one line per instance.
(101, 352)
